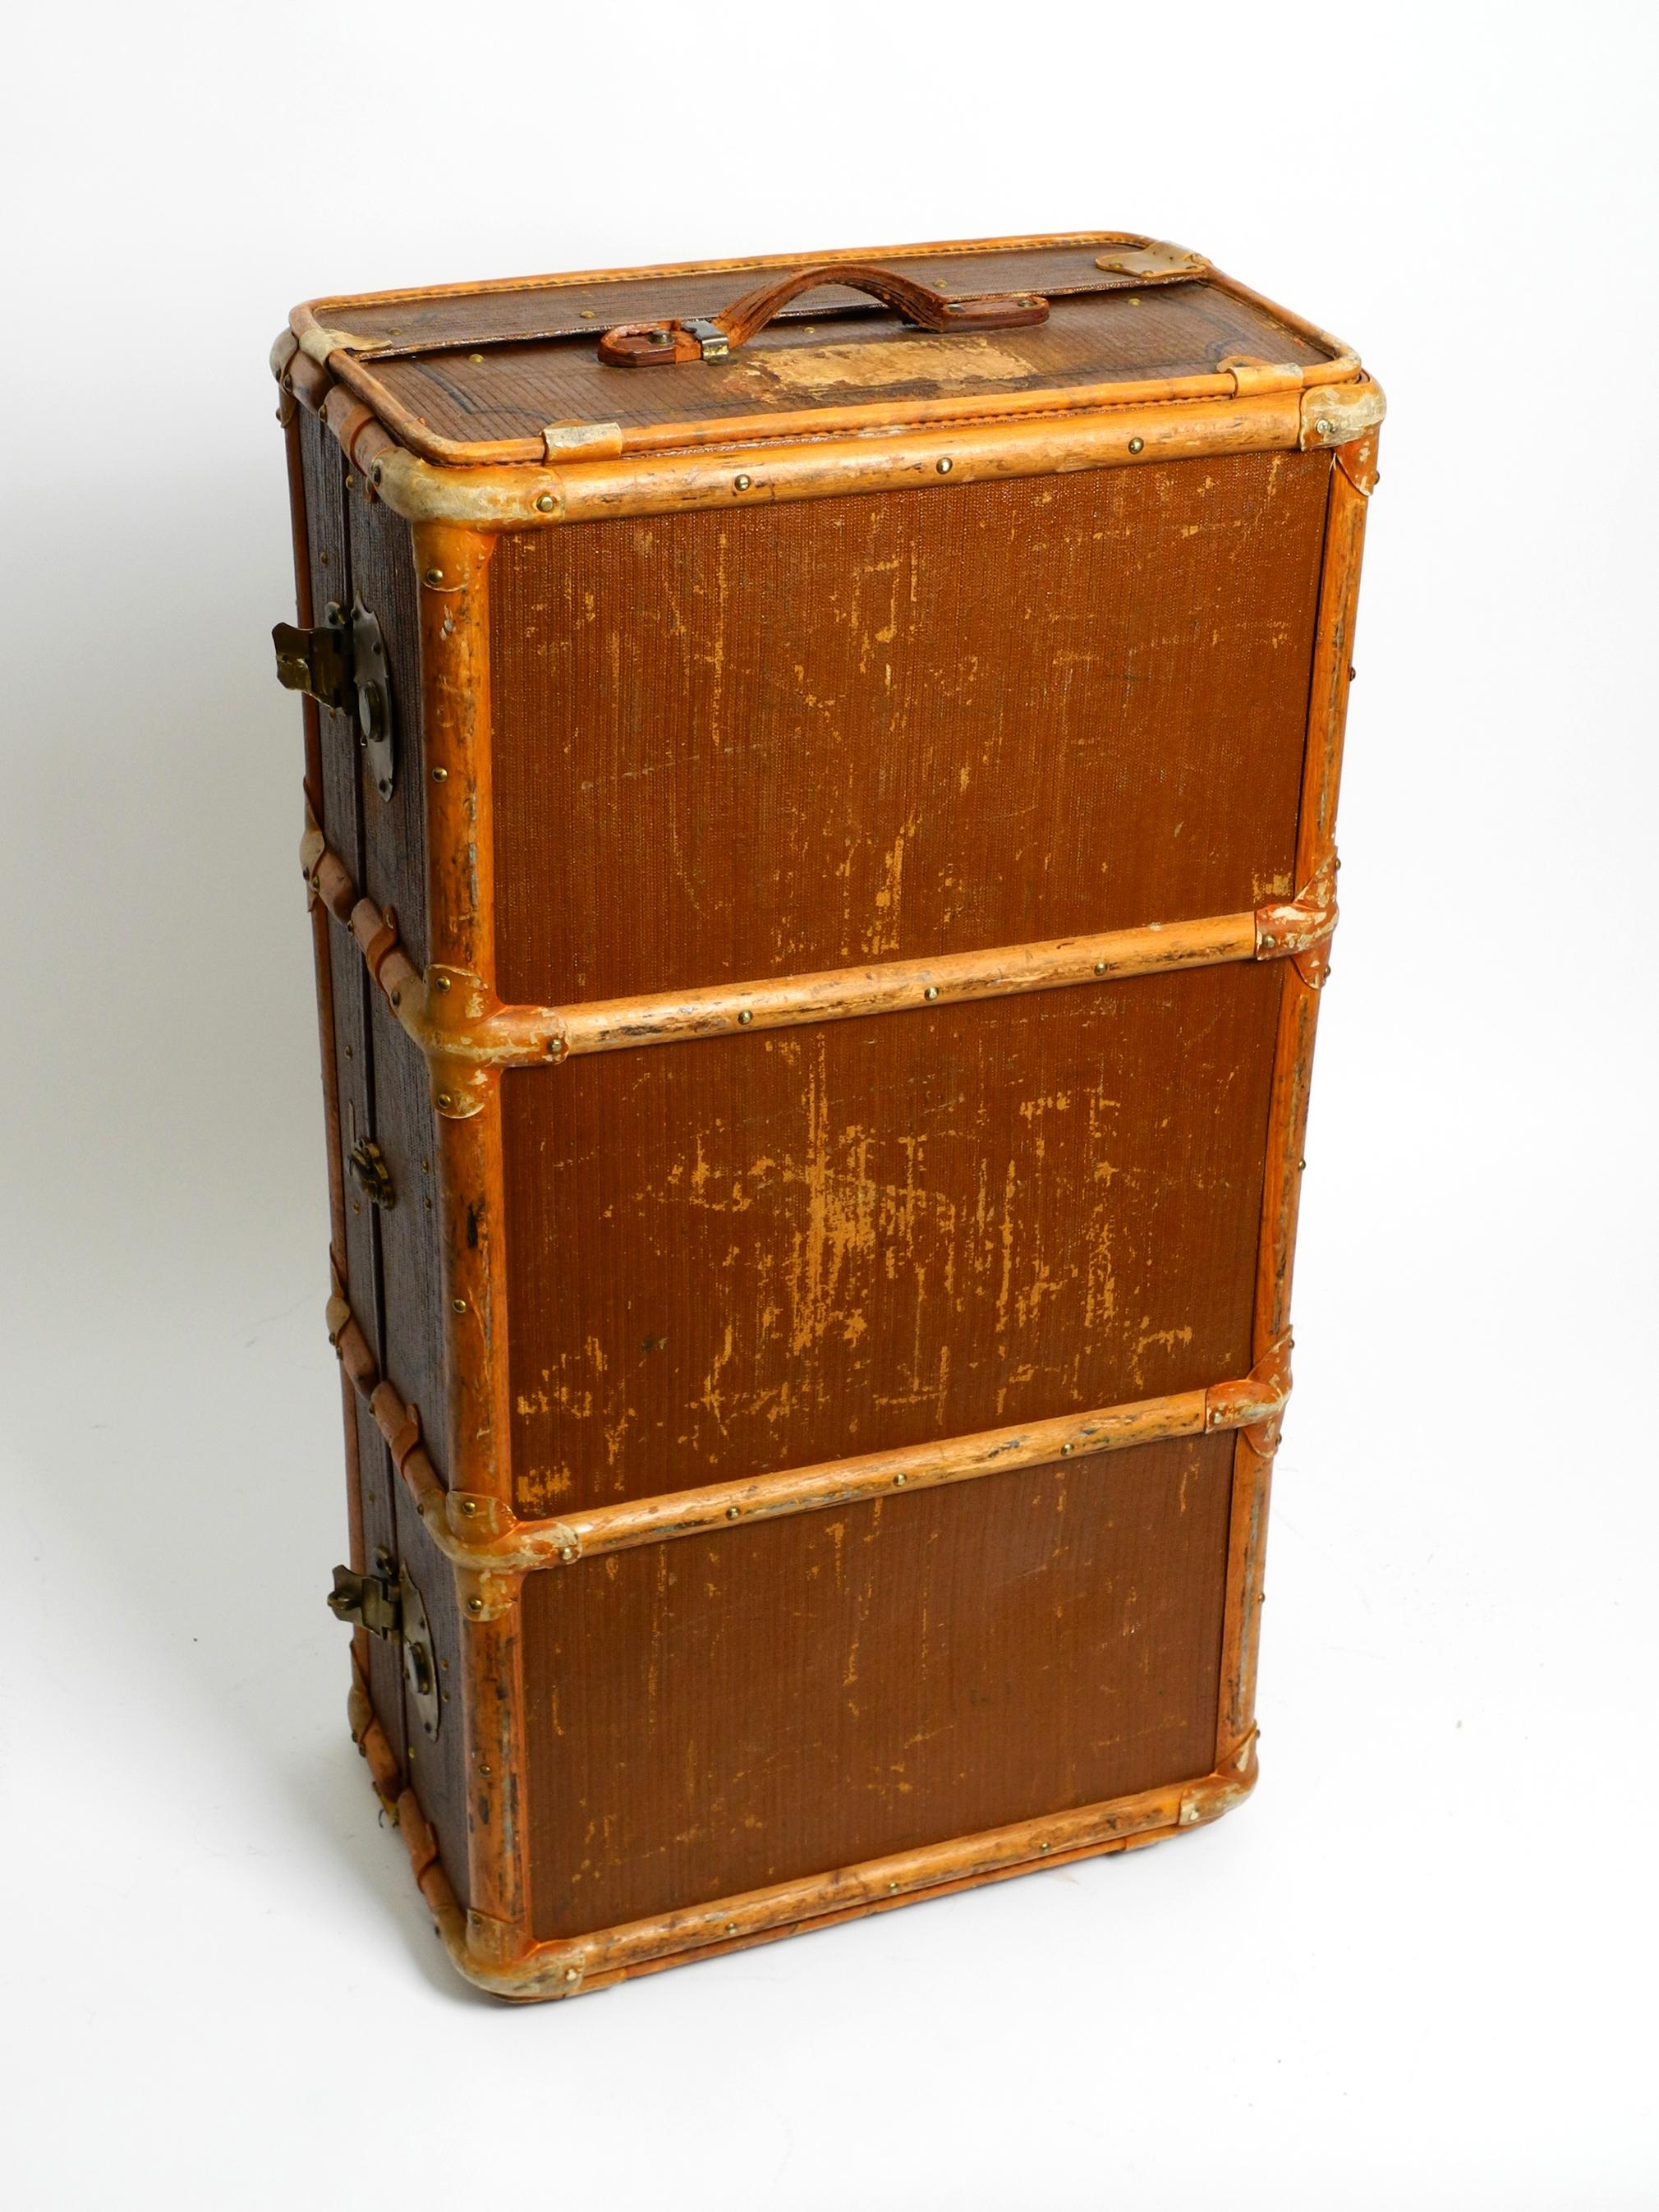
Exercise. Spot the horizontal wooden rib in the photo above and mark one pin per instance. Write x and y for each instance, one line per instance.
(843, 994)
(566, 1967)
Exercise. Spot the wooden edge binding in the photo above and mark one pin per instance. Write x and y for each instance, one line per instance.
(497, 1956)
(482, 1536)
(466, 1033)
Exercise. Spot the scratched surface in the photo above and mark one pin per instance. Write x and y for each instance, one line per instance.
(739, 745)
(709, 1716)
(512, 390)
(760, 1252)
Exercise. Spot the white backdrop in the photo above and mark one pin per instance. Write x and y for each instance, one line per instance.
(1417, 1968)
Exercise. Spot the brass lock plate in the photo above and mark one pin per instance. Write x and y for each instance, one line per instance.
(420, 1660)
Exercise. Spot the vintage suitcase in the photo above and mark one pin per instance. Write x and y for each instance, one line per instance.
(819, 791)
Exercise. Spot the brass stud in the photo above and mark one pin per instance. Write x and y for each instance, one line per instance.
(1136, 444)
(441, 982)
(572, 1973)
(1066, 1451)
(1323, 426)
(434, 575)
(567, 1552)
(1043, 1847)
(731, 1512)
(730, 1927)
(441, 776)
(475, 1605)
(468, 1506)
(932, 992)
(445, 1098)
(899, 1481)
(475, 358)
(426, 1167)
(484, 1768)
(459, 1305)
(351, 481)
(745, 1017)
(546, 503)
(944, 465)
(590, 314)
(1100, 967)
(741, 484)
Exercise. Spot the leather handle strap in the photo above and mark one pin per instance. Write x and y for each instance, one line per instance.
(645, 345)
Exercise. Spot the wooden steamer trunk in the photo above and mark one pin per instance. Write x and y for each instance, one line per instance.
(819, 794)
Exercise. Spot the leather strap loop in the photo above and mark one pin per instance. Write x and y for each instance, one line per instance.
(645, 345)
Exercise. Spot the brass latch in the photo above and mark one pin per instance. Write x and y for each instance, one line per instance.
(343, 655)
(367, 1601)
(395, 1611)
(373, 1176)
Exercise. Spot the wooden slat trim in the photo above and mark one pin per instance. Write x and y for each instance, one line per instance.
(485, 1951)
(464, 1030)
(480, 1534)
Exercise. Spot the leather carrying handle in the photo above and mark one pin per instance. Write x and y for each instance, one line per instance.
(645, 345)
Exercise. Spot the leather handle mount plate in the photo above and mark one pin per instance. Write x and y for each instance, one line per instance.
(648, 345)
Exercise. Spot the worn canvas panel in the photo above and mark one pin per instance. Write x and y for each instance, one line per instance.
(512, 390)
(756, 1253)
(731, 746)
(708, 1716)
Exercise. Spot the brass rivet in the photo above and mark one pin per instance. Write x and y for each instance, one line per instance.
(445, 1098)
(891, 1887)
(1136, 444)
(469, 1505)
(434, 575)
(932, 992)
(1066, 1451)
(426, 1167)
(745, 1017)
(355, 1208)
(348, 1052)
(572, 1973)
(730, 1927)
(351, 481)
(441, 776)
(484, 1768)
(441, 982)
(567, 1552)
(731, 1512)
(590, 314)
(740, 483)
(475, 1605)
(475, 357)
(546, 504)
(898, 1481)
(1100, 967)
(944, 467)
(1043, 1847)
(1322, 426)
(460, 1305)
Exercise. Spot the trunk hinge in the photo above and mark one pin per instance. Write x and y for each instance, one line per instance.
(343, 655)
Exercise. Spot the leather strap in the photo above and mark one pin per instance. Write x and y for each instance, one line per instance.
(646, 345)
